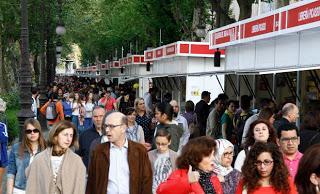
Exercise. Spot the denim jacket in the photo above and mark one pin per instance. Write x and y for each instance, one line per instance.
(17, 167)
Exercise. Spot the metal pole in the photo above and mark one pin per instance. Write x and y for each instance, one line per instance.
(298, 96)
(160, 41)
(24, 81)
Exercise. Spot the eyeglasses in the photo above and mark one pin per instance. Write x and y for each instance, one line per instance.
(226, 154)
(111, 126)
(265, 162)
(161, 144)
(29, 131)
(292, 139)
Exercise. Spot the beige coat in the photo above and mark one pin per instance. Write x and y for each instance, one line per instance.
(70, 180)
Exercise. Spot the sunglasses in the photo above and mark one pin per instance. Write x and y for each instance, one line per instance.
(29, 131)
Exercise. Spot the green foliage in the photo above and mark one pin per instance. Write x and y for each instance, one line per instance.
(13, 123)
(13, 106)
(12, 99)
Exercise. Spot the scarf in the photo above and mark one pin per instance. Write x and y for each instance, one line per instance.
(132, 133)
(222, 144)
(205, 182)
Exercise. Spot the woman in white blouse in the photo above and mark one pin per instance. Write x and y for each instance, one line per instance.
(57, 169)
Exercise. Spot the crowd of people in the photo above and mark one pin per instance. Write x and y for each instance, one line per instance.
(105, 139)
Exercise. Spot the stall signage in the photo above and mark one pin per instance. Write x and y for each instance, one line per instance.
(225, 36)
(159, 53)
(171, 50)
(305, 14)
(302, 15)
(261, 26)
(149, 55)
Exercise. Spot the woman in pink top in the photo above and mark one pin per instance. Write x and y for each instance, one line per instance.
(264, 172)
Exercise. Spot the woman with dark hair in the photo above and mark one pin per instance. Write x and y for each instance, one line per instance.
(259, 131)
(195, 170)
(134, 131)
(310, 130)
(307, 178)
(164, 115)
(163, 160)
(264, 171)
(22, 154)
(267, 114)
(58, 169)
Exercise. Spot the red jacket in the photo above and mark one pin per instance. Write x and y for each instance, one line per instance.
(178, 183)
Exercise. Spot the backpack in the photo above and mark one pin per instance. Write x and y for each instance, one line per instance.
(239, 122)
(51, 111)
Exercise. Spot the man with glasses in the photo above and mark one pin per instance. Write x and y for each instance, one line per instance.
(289, 140)
(120, 165)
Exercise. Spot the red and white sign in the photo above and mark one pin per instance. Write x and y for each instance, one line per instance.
(261, 26)
(181, 48)
(132, 60)
(225, 35)
(295, 17)
(305, 14)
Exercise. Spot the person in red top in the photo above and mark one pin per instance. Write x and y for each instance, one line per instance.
(108, 102)
(264, 172)
(195, 170)
(59, 108)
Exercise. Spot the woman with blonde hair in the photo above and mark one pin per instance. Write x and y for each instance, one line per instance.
(58, 169)
(22, 154)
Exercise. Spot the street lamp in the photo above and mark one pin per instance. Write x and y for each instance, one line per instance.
(25, 78)
(59, 47)
(60, 30)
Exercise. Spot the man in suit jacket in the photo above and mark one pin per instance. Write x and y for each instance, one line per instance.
(120, 165)
(202, 111)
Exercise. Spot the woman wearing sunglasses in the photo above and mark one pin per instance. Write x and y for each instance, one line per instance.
(22, 154)
(264, 171)
(57, 170)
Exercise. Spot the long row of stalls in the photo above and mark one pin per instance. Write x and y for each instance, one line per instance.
(274, 55)
(185, 69)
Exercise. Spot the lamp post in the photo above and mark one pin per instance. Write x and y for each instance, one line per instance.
(24, 80)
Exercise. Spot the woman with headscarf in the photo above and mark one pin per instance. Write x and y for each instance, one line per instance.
(228, 176)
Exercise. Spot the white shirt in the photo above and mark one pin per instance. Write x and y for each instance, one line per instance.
(55, 165)
(186, 133)
(119, 173)
(89, 110)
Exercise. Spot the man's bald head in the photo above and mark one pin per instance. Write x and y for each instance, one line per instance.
(290, 111)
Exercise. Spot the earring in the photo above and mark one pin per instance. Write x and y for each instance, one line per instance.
(317, 189)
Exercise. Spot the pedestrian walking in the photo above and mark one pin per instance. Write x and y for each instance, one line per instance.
(264, 171)
(195, 170)
(126, 166)
(57, 169)
(22, 155)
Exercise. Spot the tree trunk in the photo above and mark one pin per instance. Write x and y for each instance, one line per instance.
(221, 9)
(245, 8)
(36, 67)
(1, 62)
(282, 3)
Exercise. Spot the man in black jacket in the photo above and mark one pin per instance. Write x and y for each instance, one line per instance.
(202, 111)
